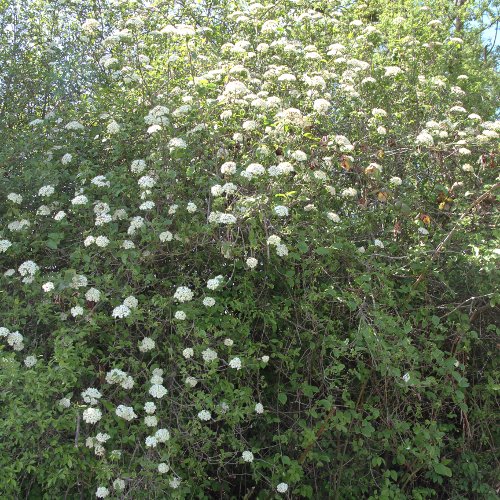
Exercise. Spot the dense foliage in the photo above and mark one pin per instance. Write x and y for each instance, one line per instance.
(248, 250)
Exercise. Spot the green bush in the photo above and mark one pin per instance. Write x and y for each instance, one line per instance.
(274, 221)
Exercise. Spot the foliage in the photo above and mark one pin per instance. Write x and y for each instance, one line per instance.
(276, 221)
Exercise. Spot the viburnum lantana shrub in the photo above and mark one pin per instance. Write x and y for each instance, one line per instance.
(248, 251)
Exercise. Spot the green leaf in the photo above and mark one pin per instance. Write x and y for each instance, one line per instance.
(441, 469)
(282, 398)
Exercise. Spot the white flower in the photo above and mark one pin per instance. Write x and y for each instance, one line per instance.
(287, 77)
(349, 193)
(30, 361)
(166, 236)
(396, 181)
(183, 294)
(282, 488)
(64, 402)
(88, 241)
(46, 191)
(235, 363)
(163, 468)
(93, 295)
(131, 302)
(214, 283)
(209, 301)
(102, 241)
(321, 106)
(381, 130)
(209, 355)
(15, 198)
(28, 268)
(217, 190)
(154, 128)
(281, 210)
(127, 244)
(60, 215)
(273, 240)
(406, 377)
(125, 412)
(177, 143)
(191, 381)
(299, 155)
(191, 207)
(146, 344)
(119, 484)
(91, 395)
(464, 151)
(151, 442)
(259, 408)
(157, 391)
(253, 170)
(138, 166)
(180, 315)
(333, 216)
(66, 158)
(247, 456)
(117, 376)
(188, 352)
(47, 287)
(102, 437)
(204, 415)
(228, 342)
(458, 109)
(281, 250)
(175, 482)
(467, 167)
(15, 340)
(228, 168)
(18, 225)
(146, 182)
(423, 231)
(79, 281)
(92, 415)
(425, 139)
(378, 243)
(392, 70)
(113, 127)
(149, 407)
(4, 245)
(100, 181)
(379, 113)
(147, 205)
(79, 200)
(252, 262)
(121, 311)
(76, 311)
(102, 492)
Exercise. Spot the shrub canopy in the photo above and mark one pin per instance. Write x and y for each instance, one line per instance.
(248, 250)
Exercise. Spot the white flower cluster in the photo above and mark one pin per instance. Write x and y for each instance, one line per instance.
(183, 294)
(281, 248)
(157, 390)
(124, 310)
(14, 339)
(214, 283)
(119, 377)
(146, 344)
(4, 245)
(125, 412)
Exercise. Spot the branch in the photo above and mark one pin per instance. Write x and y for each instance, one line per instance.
(455, 227)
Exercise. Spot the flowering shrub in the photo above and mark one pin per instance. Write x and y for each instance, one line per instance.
(249, 251)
